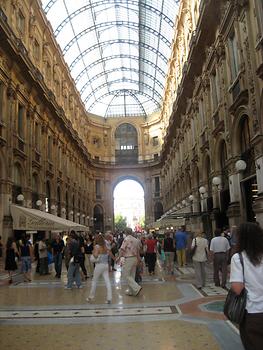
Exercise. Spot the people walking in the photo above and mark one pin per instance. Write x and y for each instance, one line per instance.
(199, 258)
(26, 255)
(10, 257)
(67, 256)
(181, 243)
(57, 252)
(250, 245)
(168, 246)
(219, 250)
(88, 252)
(101, 256)
(36, 254)
(74, 263)
(151, 244)
(130, 250)
(43, 259)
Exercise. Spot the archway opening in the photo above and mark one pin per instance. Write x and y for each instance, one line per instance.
(129, 206)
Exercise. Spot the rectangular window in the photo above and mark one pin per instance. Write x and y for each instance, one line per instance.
(155, 141)
(233, 52)
(37, 136)
(20, 121)
(201, 114)
(98, 189)
(157, 186)
(59, 157)
(49, 148)
(214, 82)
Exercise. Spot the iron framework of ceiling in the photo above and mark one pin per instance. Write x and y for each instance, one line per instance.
(116, 48)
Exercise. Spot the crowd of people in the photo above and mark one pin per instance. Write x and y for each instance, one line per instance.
(95, 256)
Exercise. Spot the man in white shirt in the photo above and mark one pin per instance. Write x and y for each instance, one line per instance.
(219, 249)
(130, 250)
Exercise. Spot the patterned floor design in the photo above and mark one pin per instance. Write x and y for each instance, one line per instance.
(170, 313)
(109, 311)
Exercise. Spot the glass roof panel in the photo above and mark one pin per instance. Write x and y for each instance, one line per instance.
(117, 50)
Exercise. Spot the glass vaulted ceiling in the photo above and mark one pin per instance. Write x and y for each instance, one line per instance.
(117, 51)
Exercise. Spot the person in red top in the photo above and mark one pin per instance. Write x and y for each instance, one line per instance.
(151, 244)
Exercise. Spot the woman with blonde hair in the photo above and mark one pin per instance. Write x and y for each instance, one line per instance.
(101, 257)
(200, 247)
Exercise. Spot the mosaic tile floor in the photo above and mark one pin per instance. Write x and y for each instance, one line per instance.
(169, 313)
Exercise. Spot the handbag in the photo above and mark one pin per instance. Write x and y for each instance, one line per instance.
(235, 305)
(192, 251)
(77, 258)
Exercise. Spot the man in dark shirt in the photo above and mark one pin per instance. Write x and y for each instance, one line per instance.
(73, 270)
(57, 251)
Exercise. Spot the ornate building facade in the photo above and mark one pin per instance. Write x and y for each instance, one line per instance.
(200, 158)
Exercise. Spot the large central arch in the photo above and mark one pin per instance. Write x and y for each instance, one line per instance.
(129, 200)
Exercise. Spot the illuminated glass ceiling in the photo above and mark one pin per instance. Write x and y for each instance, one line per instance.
(117, 51)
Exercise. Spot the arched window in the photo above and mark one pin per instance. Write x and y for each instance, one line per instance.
(246, 149)
(126, 144)
(98, 218)
(244, 135)
(158, 210)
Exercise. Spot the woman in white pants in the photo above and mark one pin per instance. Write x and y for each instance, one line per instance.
(101, 258)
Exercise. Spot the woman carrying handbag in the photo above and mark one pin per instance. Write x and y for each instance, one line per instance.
(199, 251)
(250, 246)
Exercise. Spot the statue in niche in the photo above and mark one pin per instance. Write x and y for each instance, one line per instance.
(146, 137)
(32, 24)
(64, 89)
(71, 102)
(45, 51)
(105, 138)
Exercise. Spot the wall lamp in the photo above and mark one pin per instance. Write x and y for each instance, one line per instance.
(216, 181)
(240, 165)
(39, 203)
(202, 191)
(20, 197)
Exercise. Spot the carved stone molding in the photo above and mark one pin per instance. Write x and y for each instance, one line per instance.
(239, 5)
(11, 92)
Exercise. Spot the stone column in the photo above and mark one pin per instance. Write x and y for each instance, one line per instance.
(235, 207)
(258, 205)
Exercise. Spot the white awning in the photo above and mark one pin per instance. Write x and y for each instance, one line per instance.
(33, 219)
(169, 222)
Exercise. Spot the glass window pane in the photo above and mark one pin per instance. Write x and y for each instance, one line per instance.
(109, 46)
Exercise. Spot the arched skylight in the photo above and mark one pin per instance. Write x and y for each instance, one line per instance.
(117, 51)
